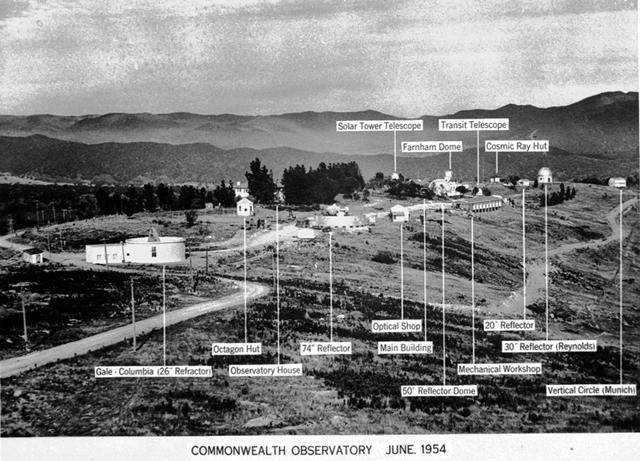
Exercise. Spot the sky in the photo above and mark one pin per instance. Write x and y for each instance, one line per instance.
(403, 57)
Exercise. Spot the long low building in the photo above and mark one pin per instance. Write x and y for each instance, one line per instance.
(141, 250)
(481, 204)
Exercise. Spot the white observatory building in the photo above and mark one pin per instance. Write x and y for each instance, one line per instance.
(140, 250)
(545, 176)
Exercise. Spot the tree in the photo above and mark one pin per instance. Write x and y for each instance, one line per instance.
(166, 197)
(401, 189)
(191, 216)
(149, 197)
(225, 195)
(377, 181)
(187, 197)
(102, 199)
(132, 201)
(261, 184)
(513, 179)
(321, 185)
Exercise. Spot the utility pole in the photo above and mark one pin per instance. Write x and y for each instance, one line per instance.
(164, 318)
(206, 260)
(24, 319)
(273, 268)
(49, 245)
(25, 335)
(106, 256)
(331, 287)
(190, 266)
(133, 316)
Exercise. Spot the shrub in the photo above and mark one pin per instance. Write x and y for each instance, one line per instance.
(384, 257)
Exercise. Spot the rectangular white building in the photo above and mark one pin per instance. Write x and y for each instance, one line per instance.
(244, 207)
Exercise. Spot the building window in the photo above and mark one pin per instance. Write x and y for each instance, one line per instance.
(153, 252)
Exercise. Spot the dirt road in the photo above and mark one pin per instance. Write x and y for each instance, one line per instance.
(258, 239)
(23, 363)
(513, 306)
(17, 365)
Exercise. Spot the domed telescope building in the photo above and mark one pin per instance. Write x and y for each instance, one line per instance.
(140, 250)
(545, 176)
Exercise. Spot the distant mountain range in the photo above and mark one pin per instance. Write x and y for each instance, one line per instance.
(595, 136)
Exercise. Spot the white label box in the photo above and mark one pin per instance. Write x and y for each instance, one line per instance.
(569, 345)
(325, 348)
(509, 325)
(405, 347)
(396, 326)
(378, 125)
(473, 124)
(532, 368)
(431, 146)
(267, 370)
(469, 390)
(508, 145)
(591, 390)
(172, 371)
(236, 349)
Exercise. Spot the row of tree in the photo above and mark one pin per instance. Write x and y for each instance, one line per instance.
(132, 199)
(556, 198)
(320, 185)
(28, 205)
(23, 205)
(305, 187)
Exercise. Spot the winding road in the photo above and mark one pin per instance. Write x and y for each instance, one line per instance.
(513, 305)
(17, 365)
(535, 266)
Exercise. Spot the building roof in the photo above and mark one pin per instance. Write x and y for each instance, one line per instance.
(245, 201)
(32, 251)
(483, 199)
(544, 171)
(241, 185)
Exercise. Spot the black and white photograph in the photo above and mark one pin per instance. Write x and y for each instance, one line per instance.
(319, 230)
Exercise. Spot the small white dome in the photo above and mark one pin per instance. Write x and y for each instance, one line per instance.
(544, 171)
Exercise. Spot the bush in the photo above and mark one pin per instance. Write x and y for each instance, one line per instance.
(191, 216)
(419, 237)
(383, 257)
